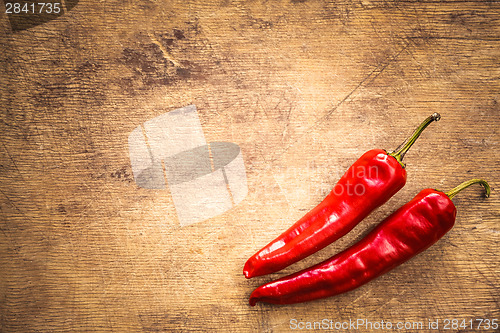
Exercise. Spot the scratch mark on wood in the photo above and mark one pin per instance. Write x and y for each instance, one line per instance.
(361, 296)
(13, 204)
(13, 162)
(281, 189)
(367, 79)
(164, 51)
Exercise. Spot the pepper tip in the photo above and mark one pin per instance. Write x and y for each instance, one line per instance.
(248, 270)
(252, 301)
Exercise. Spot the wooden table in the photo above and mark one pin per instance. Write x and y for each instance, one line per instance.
(304, 88)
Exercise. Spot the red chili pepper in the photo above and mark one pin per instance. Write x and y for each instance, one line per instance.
(408, 231)
(372, 180)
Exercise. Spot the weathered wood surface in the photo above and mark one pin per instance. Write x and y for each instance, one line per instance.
(304, 87)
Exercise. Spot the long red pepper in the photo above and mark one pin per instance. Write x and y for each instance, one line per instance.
(408, 231)
(372, 180)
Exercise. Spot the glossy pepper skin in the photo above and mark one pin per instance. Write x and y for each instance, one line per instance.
(408, 231)
(368, 183)
(372, 180)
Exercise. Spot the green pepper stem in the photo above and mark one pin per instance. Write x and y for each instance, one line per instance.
(400, 152)
(466, 184)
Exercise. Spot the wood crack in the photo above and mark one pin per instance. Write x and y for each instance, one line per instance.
(367, 79)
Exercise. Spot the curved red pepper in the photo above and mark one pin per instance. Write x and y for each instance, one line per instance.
(408, 231)
(372, 180)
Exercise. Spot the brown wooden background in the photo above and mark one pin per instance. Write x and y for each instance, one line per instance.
(304, 87)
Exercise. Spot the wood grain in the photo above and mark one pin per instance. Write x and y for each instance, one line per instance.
(304, 88)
